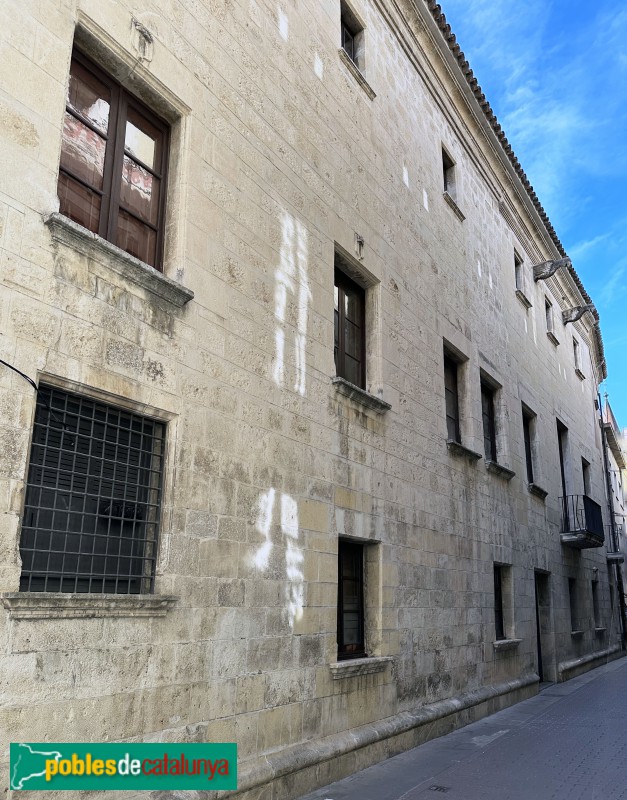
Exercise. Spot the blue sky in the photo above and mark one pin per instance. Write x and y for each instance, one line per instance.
(555, 74)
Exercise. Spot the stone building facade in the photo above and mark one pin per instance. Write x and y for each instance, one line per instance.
(290, 472)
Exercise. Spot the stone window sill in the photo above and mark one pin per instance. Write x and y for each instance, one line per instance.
(576, 634)
(50, 605)
(454, 206)
(580, 374)
(458, 449)
(600, 631)
(552, 338)
(356, 73)
(71, 234)
(506, 644)
(498, 469)
(537, 490)
(359, 666)
(523, 298)
(360, 396)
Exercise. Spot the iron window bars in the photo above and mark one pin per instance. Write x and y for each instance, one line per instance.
(92, 506)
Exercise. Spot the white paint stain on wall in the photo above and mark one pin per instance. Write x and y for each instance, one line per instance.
(425, 199)
(293, 555)
(291, 279)
(261, 559)
(405, 175)
(479, 268)
(283, 24)
(318, 66)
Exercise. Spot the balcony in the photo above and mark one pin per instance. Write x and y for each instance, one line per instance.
(582, 522)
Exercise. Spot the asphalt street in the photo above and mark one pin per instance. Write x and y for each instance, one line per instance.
(567, 743)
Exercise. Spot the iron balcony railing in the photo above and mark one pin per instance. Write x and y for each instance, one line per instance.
(582, 517)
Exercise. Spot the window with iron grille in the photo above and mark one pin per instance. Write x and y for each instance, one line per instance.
(350, 603)
(350, 330)
(112, 175)
(92, 505)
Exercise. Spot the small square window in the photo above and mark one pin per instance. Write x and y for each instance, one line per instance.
(350, 602)
(350, 330)
(489, 421)
(93, 495)
(352, 32)
(112, 173)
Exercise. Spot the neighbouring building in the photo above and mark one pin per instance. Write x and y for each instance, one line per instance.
(299, 443)
(615, 455)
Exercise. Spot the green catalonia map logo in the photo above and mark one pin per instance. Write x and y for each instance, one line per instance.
(106, 766)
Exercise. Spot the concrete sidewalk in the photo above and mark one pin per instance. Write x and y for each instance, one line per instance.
(567, 743)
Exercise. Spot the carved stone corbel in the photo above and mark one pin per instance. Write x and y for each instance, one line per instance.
(573, 314)
(543, 271)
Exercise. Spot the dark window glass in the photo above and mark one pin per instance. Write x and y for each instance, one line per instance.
(595, 604)
(448, 173)
(489, 426)
(518, 273)
(527, 422)
(572, 597)
(548, 313)
(349, 325)
(348, 42)
(350, 610)
(452, 399)
(93, 495)
(585, 470)
(113, 163)
(498, 602)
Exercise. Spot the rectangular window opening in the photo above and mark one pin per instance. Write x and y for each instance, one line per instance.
(349, 329)
(585, 472)
(451, 393)
(503, 602)
(112, 172)
(529, 422)
(352, 36)
(489, 421)
(595, 604)
(518, 273)
(350, 611)
(574, 611)
(448, 174)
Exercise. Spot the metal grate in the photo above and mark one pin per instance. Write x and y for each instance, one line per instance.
(435, 788)
(91, 516)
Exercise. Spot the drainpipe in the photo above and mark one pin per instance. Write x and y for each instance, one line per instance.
(613, 533)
